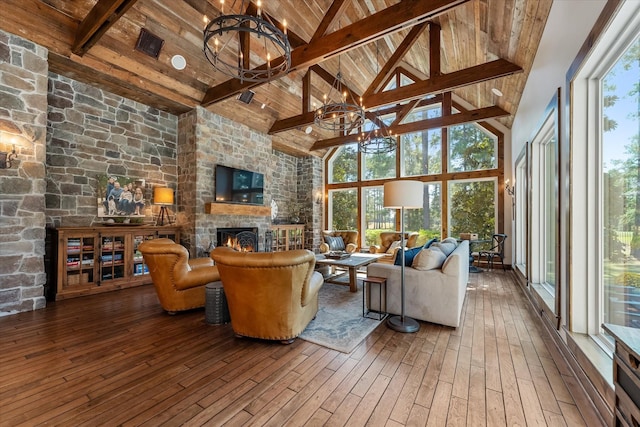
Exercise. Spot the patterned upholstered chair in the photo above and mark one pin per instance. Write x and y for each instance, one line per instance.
(339, 240)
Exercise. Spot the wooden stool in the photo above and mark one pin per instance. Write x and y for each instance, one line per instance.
(366, 283)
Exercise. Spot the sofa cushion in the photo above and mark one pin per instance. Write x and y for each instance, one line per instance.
(445, 247)
(450, 240)
(409, 255)
(429, 259)
(335, 243)
(392, 248)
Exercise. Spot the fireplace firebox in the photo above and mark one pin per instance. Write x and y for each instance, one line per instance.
(241, 239)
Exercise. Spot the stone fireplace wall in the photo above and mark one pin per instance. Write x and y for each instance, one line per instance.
(207, 139)
(23, 120)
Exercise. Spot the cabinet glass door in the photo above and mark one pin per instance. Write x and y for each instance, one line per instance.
(80, 261)
(112, 261)
(139, 267)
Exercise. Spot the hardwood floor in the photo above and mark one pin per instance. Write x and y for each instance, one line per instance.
(117, 359)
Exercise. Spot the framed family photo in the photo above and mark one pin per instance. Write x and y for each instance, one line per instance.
(119, 196)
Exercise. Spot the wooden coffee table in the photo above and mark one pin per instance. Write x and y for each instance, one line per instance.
(351, 264)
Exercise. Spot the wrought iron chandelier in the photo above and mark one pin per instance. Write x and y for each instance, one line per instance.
(342, 116)
(233, 31)
(377, 141)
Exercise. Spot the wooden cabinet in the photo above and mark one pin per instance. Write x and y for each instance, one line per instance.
(90, 260)
(287, 237)
(626, 374)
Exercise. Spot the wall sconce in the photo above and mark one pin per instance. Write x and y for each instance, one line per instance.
(163, 196)
(510, 190)
(318, 197)
(7, 158)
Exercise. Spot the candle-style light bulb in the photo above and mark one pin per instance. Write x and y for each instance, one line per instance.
(222, 6)
(284, 26)
(259, 5)
(215, 44)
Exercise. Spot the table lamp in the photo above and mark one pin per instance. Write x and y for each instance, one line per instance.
(403, 195)
(163, 196)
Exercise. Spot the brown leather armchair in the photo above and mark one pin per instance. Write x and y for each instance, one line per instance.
(271, 295)
(179, 282)
(388, 237)
(349, 237)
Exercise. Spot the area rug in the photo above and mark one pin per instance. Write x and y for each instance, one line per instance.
(339, 324)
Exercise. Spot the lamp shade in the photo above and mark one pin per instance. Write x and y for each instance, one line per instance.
(403, 194)
(162, 196)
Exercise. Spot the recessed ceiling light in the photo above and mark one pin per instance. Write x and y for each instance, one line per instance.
(496, 91)
(308, 130)
(178, 62)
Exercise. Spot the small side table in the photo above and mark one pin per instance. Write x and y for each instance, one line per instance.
(216, 309)
(367, 282)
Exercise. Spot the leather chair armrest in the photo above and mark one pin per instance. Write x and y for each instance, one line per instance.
(315, 283)
(198, 277)
(324, 248)
(200, 262)
(351, 248)
(374, 249)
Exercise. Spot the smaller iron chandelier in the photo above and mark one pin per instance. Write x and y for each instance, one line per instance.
(220, 32)
(377, 141)
(340, 116)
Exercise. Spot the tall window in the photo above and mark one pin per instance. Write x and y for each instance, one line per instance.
(376, 217)
(521, 214)
(605, 211)
(550, 222)
(428, 219)
(472, 207)
(620, 88)
(422, 151)
(544, 216)
(343, 166)
(471, 148)
(343, 209)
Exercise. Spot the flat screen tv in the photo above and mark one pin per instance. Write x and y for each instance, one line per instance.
(239, 186)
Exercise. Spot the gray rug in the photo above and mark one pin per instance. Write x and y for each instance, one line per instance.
(339, 324)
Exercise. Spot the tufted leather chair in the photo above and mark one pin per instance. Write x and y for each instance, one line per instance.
(179, 282)
(349, 237)
(271, 295)
(388, 237)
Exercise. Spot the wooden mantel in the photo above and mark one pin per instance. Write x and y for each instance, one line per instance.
(237, 209)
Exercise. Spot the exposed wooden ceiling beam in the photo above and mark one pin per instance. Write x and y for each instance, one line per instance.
(367, 30)
(395, 59)
(438, 122)
(420, 89)
(443, 83)
(335, 9)
(100, 18)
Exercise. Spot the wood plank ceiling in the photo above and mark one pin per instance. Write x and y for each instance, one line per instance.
(462, 47)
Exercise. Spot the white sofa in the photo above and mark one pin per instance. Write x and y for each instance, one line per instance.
(433, 295)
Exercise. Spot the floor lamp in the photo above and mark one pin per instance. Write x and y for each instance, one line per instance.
(403, 195)
(163, 196)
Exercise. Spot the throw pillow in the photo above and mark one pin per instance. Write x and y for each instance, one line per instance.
(429, 259)
(335, 243)
(450, 240)
(429, 243)
(445, 247)
(393, 247)
(409, 255)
